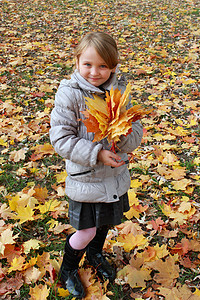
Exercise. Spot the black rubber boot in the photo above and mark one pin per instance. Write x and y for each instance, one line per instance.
(95, 257)
(68, 274)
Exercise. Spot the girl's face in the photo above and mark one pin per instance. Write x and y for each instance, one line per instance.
(92, 67)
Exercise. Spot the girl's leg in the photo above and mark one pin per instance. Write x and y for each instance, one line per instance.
(74, 250)
(81, 238)
(95, 257)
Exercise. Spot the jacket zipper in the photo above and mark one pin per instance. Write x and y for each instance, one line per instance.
(82, 173)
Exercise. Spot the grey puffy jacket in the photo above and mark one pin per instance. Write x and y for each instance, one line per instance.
(88, 180)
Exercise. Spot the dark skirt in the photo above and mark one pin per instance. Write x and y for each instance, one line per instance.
(87, 215)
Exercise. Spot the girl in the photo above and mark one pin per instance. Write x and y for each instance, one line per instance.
(98, 179)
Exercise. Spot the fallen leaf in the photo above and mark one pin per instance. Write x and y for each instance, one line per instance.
(32, 275)
(130, 242)
(18, 155)
(178, 292)
(31, 244)
(168, 272)
(39, 292)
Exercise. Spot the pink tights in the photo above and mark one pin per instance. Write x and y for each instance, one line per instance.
(81, 238)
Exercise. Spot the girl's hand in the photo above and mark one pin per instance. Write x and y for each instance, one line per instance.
(109, 158)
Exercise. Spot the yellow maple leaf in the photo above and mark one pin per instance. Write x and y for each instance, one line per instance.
(13, 203)
(129, 241)
(3, 143)
(57, 227)
(166, 209)
(149, 254)
(48, 206)
(179, 218)
(46, 88)
(135, 207)
(133, 212)
(24, 214)
(63, 293)
(17, 264)
(23, 199)
(188, 81)
(32, 262)
(135, 183)
(39, 292)
(31, 244)
(177, 174)
(43, 263)
(133, 200)
(138, 278)
(61, 177)
(196, 161)
(161, 251)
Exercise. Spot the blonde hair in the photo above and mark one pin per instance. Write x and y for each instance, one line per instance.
(103, 43)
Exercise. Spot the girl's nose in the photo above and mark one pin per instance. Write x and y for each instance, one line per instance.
(94, 71)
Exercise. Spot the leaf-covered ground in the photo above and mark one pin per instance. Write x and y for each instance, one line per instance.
(157, 247)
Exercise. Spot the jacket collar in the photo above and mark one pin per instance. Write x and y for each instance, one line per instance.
(78, 81)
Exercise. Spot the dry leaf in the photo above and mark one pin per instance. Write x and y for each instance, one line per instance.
(109, 118)
(39, 292)
(168, 272)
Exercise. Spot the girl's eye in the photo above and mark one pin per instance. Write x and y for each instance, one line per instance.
(103, 66)
(87, 64)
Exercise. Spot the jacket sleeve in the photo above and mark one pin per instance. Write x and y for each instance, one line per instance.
(131, 141)
(64, 131)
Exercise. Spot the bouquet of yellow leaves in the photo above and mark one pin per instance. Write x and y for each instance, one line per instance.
(109, 118)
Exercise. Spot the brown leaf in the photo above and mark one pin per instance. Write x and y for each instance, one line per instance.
(11, 284)
(41, 193)
(178, 292)
(136, 274)
(168, 271)
(41, 151)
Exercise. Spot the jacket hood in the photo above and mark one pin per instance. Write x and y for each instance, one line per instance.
(77, 81)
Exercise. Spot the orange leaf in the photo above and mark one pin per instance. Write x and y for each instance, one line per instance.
(181, 248)
(109, 118)
(41, 193)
